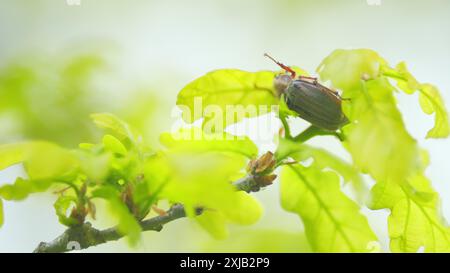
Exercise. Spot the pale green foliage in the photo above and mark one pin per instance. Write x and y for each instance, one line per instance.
(245, 211)
(332, 221)
(322, 159)
(21, 188)
(415, 219)
(126, 221)
(185, 173)
(98, 166)
(429, 98)
(114, 145)
(378, 133)
(115, 127)
(44, 164)
(381, 146)
(11, 154)
(252, 240)
(346, 68)
(49, 97)
(62, 208)
(196, 140)
(215, 223)
(228, 87)
(197, 169)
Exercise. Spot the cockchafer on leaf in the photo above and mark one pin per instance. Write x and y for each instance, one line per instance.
(311, 100)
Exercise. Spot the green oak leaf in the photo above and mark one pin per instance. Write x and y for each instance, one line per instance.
(225, 88)
(127, 223)
(345, 68)
(429, 106)
(377, 133)
(11, 154)
(197, 140)
(116, 127)
(432, 102)
(332, 221)
(48, 161)
(415, 220)
(214, 223)
(22, 188)
(62, 206)
(322, 159)
(95, 166)
(114, 145)
(44, 163)
(187, 179)
(430, 99)
(257, 240)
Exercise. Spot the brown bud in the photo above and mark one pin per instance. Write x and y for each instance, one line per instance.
(262, 165)
(266, 180)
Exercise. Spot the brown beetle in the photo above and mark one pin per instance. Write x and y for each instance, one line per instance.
(311, 100)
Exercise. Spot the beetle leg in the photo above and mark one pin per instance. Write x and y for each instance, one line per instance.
(336, 93)
(312, 80)
(308, 78)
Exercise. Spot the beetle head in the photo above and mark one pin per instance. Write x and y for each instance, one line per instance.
(281, 82)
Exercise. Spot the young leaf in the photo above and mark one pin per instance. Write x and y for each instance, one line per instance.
(127, 224)
(22, 188)
(429, 98)
(11, 154)
(62, 206)
(432, 102)
(196, 140)
(256, 240)
(247, 210)
(114, 145)
(188, 181)
(45, 160)
(214, 222)
(377, 134)
(415, 220)
(322, 159)
(115, 126)
(345, 68)
(94, 166)
(332, 221)
(228, 87)
(42, 160)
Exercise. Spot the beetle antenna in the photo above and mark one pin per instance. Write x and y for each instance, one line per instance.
(285, 67)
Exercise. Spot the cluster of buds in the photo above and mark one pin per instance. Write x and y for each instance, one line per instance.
(261, 169)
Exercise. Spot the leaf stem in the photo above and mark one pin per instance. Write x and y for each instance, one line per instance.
(313, 131)
(285, 123)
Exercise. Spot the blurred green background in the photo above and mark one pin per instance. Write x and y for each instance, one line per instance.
(61, 62)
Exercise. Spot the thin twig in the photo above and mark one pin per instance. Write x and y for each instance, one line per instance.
(85, 236)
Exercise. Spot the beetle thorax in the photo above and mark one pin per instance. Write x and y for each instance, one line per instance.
(281, 82)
